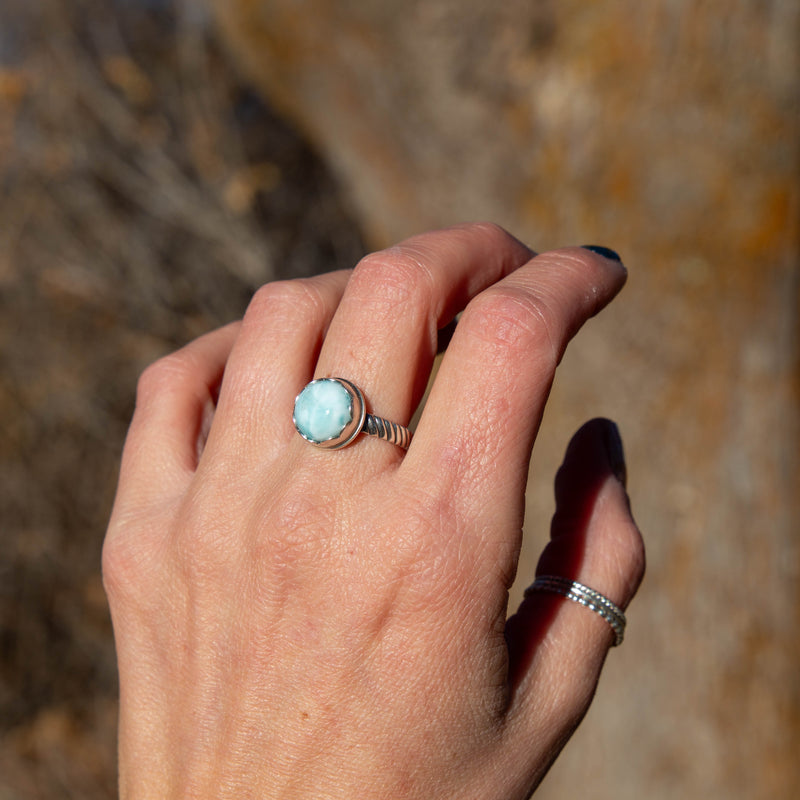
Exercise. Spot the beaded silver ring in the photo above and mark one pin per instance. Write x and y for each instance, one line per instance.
(589, 598)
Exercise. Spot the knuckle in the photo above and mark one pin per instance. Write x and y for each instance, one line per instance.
(515, 319)
(490, 230)
(493, 230)
(495, 239)
(203, 540)
(392, 277)
(161, 376)
(274, 303)
(127, 564)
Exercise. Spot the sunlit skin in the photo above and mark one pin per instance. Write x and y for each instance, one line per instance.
(293, 622)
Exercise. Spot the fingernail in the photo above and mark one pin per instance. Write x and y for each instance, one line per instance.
(606, 252)
(615, 452)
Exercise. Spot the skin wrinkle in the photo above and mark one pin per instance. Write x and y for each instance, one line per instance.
(393, 295)
(396, 277)
(281, 303)
(417, 256)
(501, 318)
(171, 375)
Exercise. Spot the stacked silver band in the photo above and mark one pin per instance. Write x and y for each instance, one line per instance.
(388, 431)
(589, 598)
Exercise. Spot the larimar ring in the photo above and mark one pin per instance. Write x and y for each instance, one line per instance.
(589, 598)
(331, 412)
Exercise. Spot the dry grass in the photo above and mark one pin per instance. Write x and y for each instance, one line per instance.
(144, 193)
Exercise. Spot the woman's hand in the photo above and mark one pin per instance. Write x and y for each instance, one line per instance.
(303, 623)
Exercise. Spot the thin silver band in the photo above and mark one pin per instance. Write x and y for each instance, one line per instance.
(589, 598)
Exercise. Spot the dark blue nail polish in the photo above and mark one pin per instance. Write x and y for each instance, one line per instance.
(606, 252)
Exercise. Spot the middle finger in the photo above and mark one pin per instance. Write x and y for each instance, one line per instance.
(383, 336)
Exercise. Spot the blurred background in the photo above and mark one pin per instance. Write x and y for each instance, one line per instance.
(160, 159)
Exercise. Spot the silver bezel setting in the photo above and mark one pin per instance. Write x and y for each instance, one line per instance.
(358, 413)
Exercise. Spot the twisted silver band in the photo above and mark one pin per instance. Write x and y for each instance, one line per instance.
(589, 598)
(388, 431)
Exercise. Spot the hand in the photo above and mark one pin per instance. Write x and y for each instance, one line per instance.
(300, 623)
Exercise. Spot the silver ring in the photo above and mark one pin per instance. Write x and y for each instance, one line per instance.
(331, 412)
(587, 597)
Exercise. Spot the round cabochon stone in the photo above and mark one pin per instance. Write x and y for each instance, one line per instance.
(322, 410)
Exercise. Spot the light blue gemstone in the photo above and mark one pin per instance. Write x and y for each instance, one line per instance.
(322, 410)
